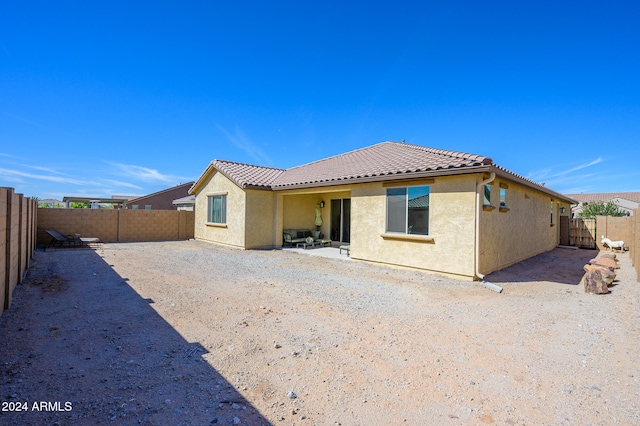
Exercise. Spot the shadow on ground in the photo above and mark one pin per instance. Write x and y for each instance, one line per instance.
(562, 266)
(80, 346)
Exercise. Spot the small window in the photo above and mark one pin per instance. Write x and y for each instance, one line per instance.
(147, 207)
(503, 197)
(134, 207)
(408, 210)
(487, 195)
(217, 209)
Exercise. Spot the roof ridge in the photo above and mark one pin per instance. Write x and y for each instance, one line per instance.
(450, 153)
(247, 164)
(339, 155)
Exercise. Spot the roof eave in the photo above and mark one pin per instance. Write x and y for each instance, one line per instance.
(387, 177)
(201, 179)
(523, 181)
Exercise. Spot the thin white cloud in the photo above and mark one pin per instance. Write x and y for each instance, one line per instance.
(44, 169)
(240, 140)
(550, 176)
(7, 155)
(8, 173)
(122, 184)
(33, 123)
(145, 174)
(580, 167)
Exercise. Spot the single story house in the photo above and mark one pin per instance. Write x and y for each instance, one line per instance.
(626, 201)
(394, 203)
(161, 200)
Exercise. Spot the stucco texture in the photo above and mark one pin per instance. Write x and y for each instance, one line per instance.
(520, 231)
(451, 223)
(233, 233)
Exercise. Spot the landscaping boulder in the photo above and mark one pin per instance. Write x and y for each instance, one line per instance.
(607, 272)
(605, 261)
(594, 283)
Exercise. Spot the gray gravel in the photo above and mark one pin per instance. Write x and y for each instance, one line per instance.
(195, 333)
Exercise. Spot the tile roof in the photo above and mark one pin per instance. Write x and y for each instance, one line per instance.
(248, 175)
(386, 159)
(375, 163)
(605, 196)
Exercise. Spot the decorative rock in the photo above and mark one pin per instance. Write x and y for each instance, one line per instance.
(292, 395)
(605, 261)
(607, 272)
(594, 283)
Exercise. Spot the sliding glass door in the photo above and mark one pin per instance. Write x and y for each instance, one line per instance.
(341, 220)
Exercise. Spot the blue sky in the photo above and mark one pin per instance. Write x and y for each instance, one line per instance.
(128, 98)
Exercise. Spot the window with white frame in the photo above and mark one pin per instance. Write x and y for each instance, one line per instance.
(408, 210)
(217, 209)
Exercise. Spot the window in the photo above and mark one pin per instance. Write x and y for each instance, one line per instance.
(217, 209)
(503, 197)
(408, 210)
(487, 195)
(147, 207)
(134, 207)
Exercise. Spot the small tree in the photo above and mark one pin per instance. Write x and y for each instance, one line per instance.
(80, 205)
(600, 208)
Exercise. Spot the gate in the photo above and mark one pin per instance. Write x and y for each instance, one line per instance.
(582, 233)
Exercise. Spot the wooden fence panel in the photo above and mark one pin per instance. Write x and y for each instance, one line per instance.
(582, 233)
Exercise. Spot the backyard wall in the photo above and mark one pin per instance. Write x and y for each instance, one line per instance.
(112, 226)
(634, 246)
(627, 229)
(17, 241)
(614, 228)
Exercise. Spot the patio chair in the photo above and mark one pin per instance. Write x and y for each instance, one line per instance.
(60, 240)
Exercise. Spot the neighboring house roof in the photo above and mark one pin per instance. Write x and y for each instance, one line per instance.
(605, 196)
(380, 162)
(117, 202)
(162, 200)
(125, 197)
(51, 202)
(421, 202)
(189, 199)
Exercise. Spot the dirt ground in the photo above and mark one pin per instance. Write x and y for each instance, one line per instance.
(189, 333)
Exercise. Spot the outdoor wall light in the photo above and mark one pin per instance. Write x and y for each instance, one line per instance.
(562, 210)
(322, 204)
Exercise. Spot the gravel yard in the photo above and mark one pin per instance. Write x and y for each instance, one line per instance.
(190, 333)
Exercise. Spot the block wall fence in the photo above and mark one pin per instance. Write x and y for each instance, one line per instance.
(113, 226)
(622, 228)
(17, 241)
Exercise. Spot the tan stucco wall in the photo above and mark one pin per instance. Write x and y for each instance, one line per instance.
(451, 222)
(234, 233)
(255, 219)
(260, 214)
(508, 237)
